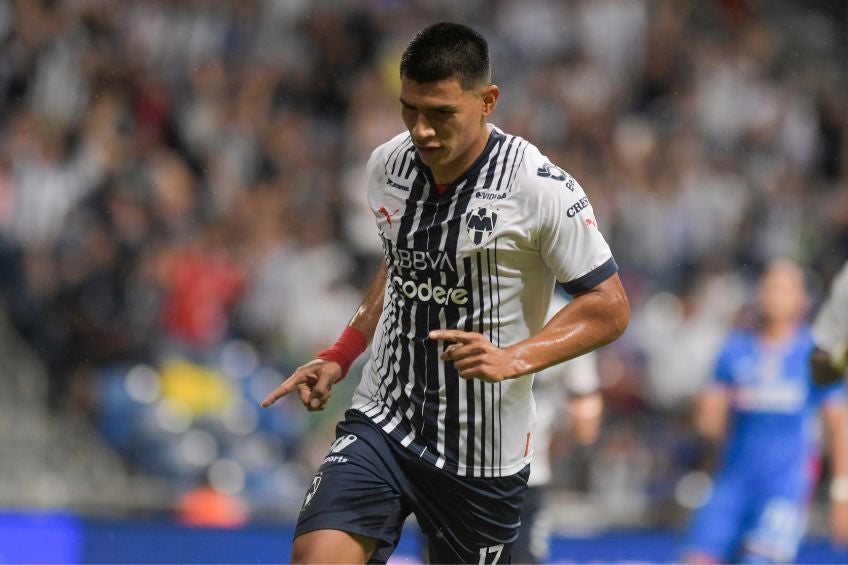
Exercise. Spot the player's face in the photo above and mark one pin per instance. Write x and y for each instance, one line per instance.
(447, 123)
(783, 295)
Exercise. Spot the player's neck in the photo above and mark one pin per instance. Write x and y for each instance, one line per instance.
(778, 331)
(452, 171)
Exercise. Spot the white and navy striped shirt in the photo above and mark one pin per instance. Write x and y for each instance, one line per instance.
(483, 256)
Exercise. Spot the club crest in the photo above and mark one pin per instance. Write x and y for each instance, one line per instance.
(480, 225)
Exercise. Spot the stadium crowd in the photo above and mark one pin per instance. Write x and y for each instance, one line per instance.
(181, 191)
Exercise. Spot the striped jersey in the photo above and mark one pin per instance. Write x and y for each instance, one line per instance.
(483, 256)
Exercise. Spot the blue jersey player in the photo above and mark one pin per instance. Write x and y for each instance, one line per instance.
(763, 403)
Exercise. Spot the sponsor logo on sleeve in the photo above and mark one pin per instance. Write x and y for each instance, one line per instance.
(577, 207)
(551, 171)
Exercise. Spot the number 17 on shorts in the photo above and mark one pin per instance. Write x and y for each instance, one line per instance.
(490, 554)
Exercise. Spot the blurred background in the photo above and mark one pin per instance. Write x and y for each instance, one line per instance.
(183, 221)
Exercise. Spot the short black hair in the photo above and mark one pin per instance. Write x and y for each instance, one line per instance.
(447, 50)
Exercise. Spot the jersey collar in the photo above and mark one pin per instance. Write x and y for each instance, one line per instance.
(495, 136)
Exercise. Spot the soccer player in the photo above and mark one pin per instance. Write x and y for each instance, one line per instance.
(763, 400)
(569, 389)
(829, 359)
(477, 226)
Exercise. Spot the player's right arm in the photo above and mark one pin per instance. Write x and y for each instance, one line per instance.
(314, 380)
(712, 406)
(711, 410)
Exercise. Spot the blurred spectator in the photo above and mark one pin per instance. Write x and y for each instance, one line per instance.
(202, 285)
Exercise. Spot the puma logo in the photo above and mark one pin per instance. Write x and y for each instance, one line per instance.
(384, 211)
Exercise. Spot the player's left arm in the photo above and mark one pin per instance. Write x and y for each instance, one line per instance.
(571, 245)
(573, 248)
(834, 419)
(593, 318)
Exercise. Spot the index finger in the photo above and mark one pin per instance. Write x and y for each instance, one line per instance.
(458, 336)
(285, 388)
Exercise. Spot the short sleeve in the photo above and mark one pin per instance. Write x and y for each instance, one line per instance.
(723, 368)
(375, 178)
(571, 242)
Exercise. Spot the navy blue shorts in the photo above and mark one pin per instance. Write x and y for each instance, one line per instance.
(369, 484)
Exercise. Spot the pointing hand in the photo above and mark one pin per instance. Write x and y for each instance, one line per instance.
(312, 381)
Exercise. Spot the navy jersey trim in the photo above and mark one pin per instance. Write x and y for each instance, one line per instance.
(591, 279)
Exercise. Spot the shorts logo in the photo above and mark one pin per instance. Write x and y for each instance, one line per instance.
(313, 488)
(480, 225)
(342, 442)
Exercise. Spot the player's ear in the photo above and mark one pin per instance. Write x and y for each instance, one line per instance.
(490, 98)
